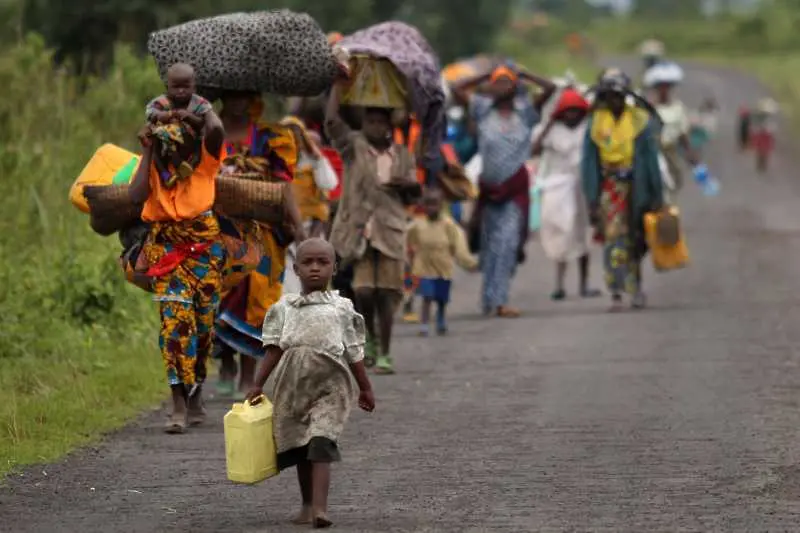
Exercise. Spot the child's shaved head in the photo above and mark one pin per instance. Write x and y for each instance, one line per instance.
(180, 84)
(315, 245)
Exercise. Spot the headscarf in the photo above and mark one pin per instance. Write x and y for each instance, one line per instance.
(503, 71)
(614, 80)
(570, 99)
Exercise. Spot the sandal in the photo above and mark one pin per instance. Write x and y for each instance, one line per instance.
(226, 389)
(507, 312)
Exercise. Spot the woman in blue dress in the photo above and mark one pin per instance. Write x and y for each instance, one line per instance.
(503, 122)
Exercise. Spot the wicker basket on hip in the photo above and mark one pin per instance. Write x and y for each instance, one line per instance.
(250, 199)
(111, 208)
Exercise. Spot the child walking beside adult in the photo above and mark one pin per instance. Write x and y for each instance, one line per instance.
(315, 346)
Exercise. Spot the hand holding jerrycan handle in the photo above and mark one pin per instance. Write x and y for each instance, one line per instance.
(250, 452)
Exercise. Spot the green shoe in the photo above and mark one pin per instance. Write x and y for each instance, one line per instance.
(370, 353)
(384, 365)
(226, 389)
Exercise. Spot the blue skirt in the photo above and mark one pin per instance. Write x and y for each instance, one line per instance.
(436, 289)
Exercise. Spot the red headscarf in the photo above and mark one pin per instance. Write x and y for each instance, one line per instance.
(571, 99)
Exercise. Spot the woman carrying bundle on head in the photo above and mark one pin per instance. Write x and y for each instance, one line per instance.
(504, 124)
(258, 151)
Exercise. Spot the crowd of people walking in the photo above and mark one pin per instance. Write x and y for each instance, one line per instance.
(374, 206)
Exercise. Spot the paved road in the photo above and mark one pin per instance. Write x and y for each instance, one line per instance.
(681, 418)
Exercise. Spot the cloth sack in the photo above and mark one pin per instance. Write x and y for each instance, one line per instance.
(279, 51)
(416, 60)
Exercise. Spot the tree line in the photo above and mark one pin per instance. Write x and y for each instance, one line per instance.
(84, 32)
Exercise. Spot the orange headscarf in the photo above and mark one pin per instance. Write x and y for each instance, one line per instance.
(334, 37)
(503, 72)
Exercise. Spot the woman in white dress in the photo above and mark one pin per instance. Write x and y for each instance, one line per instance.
(565, 225)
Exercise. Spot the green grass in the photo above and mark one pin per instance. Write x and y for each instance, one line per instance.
(78, 352)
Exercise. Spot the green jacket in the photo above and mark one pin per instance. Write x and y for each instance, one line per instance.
(647, 192)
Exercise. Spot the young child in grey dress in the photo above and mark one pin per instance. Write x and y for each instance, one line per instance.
(315, 346)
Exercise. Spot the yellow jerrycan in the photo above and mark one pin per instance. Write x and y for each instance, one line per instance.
(250, 452)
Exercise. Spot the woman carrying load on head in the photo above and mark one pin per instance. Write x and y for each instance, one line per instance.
(662, 79)
(254, 150)
(622, 182)
(504, 124)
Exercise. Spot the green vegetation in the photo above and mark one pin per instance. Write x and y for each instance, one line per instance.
(763, 42)
(76, 342)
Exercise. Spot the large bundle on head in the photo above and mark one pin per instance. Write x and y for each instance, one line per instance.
(278, 52)
(403, 47)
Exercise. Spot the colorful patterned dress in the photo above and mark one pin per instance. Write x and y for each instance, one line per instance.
(622, 181)
(242, 309)
(186, 258)
(504, 144)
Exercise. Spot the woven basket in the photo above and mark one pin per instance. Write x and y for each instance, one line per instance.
(111, 208)
(250, 200)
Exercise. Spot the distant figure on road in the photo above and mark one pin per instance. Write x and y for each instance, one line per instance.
(622, 182)
(744, 128)
(762, 136)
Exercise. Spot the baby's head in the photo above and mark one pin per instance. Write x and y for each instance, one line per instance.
(315, 264)
(180, 84)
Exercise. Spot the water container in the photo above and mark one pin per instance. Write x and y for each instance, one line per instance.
(250, 451)
(705, 180)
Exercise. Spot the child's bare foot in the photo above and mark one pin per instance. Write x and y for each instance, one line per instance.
(304, 518)
(321, 521)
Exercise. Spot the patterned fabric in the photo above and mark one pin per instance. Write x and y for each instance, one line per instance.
(314, 389)
(622, 266)
(169, 163)
(414, 57)
(277, 52)
(197, 105)
(268, 153)
(500, 244)
(504, 143)
(188, 295)
(242, 310)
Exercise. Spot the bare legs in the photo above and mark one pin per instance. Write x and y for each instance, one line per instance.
(583, 279)
(315, 480)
